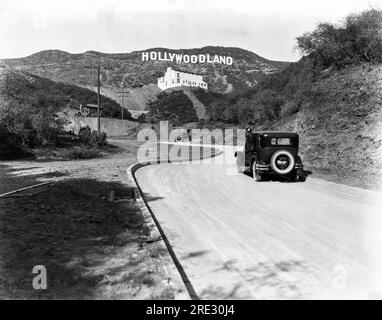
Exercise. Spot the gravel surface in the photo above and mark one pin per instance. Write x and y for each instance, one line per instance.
(92, 248)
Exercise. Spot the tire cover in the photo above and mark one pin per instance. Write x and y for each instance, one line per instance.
(287, 169)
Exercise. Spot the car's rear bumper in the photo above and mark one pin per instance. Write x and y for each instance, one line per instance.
(262, 167)
(266, 168)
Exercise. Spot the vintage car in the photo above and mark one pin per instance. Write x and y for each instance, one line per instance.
(271, 153)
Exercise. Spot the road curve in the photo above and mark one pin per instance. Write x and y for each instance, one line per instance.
(238, 239)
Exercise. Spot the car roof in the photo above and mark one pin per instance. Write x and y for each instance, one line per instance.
(278, 134)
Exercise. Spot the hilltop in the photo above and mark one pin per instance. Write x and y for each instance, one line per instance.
(128, 71)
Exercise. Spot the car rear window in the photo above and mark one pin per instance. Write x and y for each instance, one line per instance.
(281, 141)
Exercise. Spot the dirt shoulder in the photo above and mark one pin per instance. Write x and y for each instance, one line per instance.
(92, 248)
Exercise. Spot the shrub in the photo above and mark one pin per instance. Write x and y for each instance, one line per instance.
(207, 97)
(47, 128)
(215, 110)
(10, 145)
(271, 103)
(289, 108)
(142, 118)
(84, 134)
(80, 153)
(98, 139)
(248, 114)
(93, 138)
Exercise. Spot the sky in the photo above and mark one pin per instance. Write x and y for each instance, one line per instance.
(267, 27)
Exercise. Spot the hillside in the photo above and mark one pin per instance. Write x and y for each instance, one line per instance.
(341, 127)
(22, 88)
(36, 114)
(127, 71)
(337, 112)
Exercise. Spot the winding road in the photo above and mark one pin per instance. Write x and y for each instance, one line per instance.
(238, 239)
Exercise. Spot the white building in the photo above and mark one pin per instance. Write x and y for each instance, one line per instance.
(176, 78)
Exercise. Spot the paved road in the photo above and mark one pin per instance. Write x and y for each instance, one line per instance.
(240, 239)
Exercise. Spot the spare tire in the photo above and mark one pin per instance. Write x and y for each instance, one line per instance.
(282, 162)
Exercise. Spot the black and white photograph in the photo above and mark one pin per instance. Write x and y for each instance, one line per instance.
(200, 152)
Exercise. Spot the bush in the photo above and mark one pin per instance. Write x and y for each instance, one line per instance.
(10, 145)
(98, 139)
(84, 134)
(207, 97)
(142, 118)
(80, 153)
(215, 111)
(271, 102)
(47, 128)
(93, 138)
(248, 113)
(289, 108)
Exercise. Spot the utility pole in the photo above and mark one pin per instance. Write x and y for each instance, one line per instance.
(121, 95)
(98, 99)
(98, 93)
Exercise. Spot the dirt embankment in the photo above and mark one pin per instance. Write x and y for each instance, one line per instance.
(341, 128)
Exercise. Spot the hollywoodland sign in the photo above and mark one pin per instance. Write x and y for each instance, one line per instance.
(186, 58)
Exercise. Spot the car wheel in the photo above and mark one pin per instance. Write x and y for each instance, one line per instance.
(256, 175)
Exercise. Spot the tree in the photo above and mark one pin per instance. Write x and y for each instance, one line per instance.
(358, 39)
(247, 112)
(365, 32)
(175, 107)
(216, 110)
(231, 113)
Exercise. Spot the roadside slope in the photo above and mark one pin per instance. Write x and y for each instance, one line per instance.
(341, 126)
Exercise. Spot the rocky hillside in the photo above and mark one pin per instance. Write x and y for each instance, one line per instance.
(341, 126)
(128, 71)
(337, 112)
